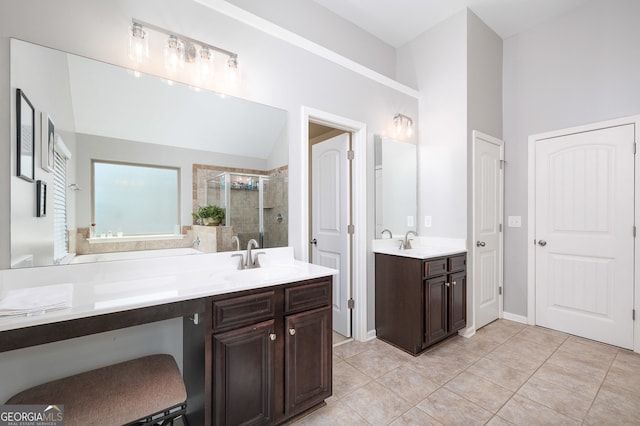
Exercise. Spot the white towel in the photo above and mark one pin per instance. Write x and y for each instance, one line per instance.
(36, 300)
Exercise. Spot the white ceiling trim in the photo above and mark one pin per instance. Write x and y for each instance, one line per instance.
(277, 31)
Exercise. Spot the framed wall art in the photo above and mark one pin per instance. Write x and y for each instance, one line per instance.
(47, 142)
(25, 126)
(41, 198)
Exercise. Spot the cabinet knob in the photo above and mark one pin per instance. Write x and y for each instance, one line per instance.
(292, 331)
(454, 283)
(272, 336)
(447, 284)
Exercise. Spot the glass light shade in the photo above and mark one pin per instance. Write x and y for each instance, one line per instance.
(398, 122)
(173, 54)
(138, 43)
(232, 70)
(205, 63)
(409, 128)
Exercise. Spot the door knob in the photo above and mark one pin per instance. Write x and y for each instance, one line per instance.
(480, 244)
(314, 242)
(292, 331)
(542, 243)
(272, 336)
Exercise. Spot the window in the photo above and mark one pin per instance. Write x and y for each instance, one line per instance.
(60, 236)
(135, 199)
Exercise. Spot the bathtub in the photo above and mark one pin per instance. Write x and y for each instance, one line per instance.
(138, 254)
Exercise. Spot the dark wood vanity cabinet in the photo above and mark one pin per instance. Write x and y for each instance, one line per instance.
(268, 354)
(419, 302)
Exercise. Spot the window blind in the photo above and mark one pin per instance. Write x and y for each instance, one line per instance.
(60, 236)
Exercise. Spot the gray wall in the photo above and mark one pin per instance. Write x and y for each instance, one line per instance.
(578, 69)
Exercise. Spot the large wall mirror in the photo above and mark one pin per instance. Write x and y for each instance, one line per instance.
(396, 178)
(105, 114)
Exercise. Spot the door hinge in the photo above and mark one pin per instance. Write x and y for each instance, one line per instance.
(635, 231)
(351, 304)
(502, 164)
(635, 148)
(500, 225)
(633, 314)
(350, 155)
(351, 229)
(500, 290)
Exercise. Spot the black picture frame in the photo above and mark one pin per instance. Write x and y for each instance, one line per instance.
(25, 131)
(41, 198)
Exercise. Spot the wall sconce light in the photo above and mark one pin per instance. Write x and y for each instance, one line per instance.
(178, 50)
(402, 122)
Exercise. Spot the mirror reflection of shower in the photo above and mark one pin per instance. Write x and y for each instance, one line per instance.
(256, 205)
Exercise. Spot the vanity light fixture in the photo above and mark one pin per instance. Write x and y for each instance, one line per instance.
(178, 50)
(402, 122)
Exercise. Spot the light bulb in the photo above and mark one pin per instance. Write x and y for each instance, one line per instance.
(232, 70)
(409, 128)
(173, 54)
(205, 63)
(398, 122)
(138, 43)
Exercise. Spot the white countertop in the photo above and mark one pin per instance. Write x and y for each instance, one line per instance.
(422, 247)
(120, 286)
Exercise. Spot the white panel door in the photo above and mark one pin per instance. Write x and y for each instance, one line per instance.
(330, 218)
(584, 234)
(487, 251)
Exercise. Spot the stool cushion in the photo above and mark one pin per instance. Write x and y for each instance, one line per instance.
(113, 395)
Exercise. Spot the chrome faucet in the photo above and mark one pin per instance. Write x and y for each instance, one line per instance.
(196, 242)
(249, 262)
(236, 240)
(386, 230)
(407, 241)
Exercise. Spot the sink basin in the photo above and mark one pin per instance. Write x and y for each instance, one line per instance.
(262, 274)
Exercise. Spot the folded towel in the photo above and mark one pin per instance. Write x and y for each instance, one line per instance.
(36, 300)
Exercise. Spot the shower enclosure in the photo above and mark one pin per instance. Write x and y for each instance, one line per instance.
(256, 205)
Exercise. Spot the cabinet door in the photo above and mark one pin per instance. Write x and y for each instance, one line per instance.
(307, 359)
(435, 302)
(243, 374)
(458, 301)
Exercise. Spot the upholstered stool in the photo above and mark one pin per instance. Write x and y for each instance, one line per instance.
(142, 391)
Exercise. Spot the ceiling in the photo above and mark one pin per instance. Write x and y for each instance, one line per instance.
(400, 21)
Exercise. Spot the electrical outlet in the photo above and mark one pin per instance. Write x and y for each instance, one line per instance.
(514, 221)
(427, 221)
(410, 221)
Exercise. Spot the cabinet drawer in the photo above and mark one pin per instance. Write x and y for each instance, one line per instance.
(435, 267)
(308, 296)
(243, 310)
(457, 263)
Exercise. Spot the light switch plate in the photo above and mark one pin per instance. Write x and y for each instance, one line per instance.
(514, 221)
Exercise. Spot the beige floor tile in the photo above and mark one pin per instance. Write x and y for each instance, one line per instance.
(558, 398)
(628, 359)
(614, 406)
(499, 373)
(584, 364)
(375, 363)
(523, 411)
(625, 378)
(498, 421)
(516, 358)
(408, 384)
(350, 349)
(434, 368)
(337, 413)
(415, 417)
(376, 404)
(483, 392)
(452, 409)
(543, 336)
(346, 379)
(499, 331)
(455, 353)
(582, 384)
(589, 349)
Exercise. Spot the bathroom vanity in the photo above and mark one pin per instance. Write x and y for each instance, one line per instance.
(256, 342)
(420, 296)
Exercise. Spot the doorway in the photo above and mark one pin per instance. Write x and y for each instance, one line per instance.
(583, 235)
(358, 239)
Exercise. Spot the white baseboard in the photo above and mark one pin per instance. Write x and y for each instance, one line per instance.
(467, 332)
(371, 334)
(513, 317)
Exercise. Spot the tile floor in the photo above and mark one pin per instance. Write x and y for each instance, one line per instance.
(508, 373)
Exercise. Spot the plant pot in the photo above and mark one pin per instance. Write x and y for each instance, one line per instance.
(208, 221)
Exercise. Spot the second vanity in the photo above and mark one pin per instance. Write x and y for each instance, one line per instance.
(420, 295)
(256, 342)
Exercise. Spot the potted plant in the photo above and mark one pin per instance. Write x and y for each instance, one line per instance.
(209, 215)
